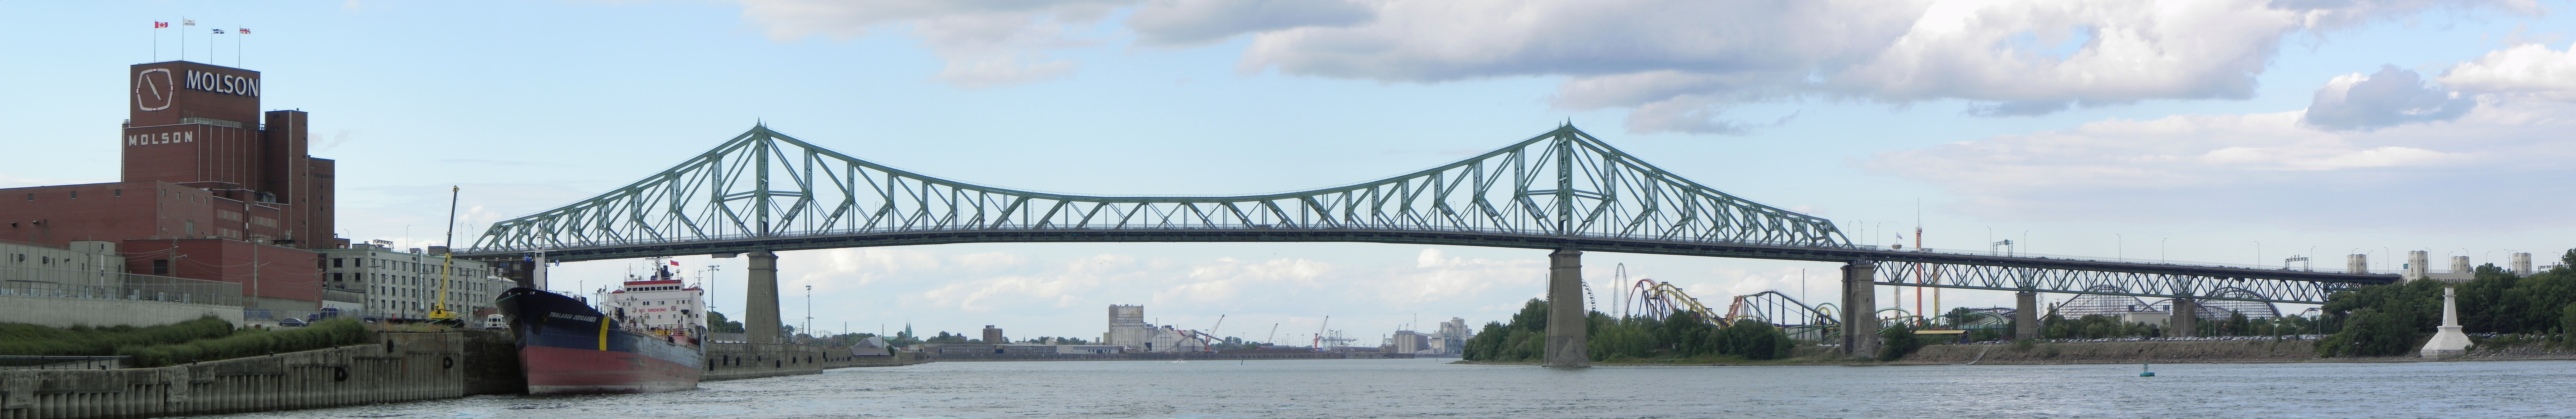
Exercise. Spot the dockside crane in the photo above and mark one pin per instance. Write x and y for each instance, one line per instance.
(1319, 333)
(1273, 339)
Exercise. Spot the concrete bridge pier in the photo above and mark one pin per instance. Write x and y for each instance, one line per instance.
(1567, 340)
(2183, 323)
(1860, 309)
(760, 312)
(2026, 315)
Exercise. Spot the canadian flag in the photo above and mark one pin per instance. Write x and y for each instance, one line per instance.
(675, 263)
(159, 25)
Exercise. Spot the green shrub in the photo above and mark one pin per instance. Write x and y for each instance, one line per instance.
(320, 335)
(18, 339)
(1897, 342)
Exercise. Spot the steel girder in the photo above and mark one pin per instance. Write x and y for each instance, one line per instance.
(764, 186)
(2075, 281)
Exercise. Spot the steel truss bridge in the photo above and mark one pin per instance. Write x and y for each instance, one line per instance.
(1564, 189)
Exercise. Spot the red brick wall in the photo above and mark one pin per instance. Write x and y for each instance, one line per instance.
(282, 272)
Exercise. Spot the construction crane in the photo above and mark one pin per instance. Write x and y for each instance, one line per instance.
(1319, 333)
(1211, 333)
(1274, 335)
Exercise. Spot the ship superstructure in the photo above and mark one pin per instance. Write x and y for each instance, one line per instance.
(660, 304)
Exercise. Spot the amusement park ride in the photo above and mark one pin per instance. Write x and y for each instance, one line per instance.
(1648, 297)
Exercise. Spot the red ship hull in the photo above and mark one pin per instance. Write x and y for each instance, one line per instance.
(581, 371)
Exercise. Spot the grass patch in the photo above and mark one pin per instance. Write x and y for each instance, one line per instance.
(20, 339)
(250, 342)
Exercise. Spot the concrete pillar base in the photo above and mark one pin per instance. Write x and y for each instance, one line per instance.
(1568, 342)
(760, 308)
(2026, 315)
(1860, 309)
(2183, 323)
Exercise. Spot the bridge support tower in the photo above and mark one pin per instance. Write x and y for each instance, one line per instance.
(2184, 322)
(1860, 309)
(760, 312)
(1567, 341)
(2026, 315)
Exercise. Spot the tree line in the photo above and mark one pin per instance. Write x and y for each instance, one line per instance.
(1679, 335)
(2396, 319)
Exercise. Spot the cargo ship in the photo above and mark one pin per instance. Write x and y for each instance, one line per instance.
(638, 340)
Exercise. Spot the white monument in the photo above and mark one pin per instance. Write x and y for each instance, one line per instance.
(2449, 342)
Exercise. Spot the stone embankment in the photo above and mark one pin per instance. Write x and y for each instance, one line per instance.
(2117, 352)
(735, 361)
(406, 367)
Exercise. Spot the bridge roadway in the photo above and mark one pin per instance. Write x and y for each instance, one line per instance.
(1565, 191)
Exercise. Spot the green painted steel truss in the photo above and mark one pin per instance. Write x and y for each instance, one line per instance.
(767, 191)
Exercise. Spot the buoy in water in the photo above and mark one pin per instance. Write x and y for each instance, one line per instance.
(2145, 371)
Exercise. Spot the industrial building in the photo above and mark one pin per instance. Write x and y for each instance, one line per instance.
(374, 279)
(211, 188)
(85, 283)
(1128, 330)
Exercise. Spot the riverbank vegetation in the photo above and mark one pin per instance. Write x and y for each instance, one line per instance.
(2396, 319)
(204, 339)
(1676, 337)
(28, 339)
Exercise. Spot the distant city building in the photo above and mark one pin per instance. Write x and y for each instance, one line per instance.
(1453, 336)
(1407, 341)
(1127, 328)
(993, 335)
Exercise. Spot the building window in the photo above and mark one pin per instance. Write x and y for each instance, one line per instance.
(335, 262)
(160, 266)
(75, 194)
(192, 226)
(115, 193)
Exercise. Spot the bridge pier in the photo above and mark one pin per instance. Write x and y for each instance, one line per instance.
(2184, 322)
(1860, 309)
(2026, 315)
(1568, 342)
(760, 308)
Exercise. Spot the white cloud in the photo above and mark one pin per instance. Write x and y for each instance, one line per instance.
(2531, 69)
(2264, 169)
(1187, 22)
(2392, 96)
(986, 43)
(1678, 64)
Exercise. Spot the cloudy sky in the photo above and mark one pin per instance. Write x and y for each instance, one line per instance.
(2238, 132)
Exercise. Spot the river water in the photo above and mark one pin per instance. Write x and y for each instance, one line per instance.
(1433, 388)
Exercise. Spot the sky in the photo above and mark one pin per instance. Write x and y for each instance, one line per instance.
(2238, 132)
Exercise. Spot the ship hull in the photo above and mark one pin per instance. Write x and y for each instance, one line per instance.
(565, 347)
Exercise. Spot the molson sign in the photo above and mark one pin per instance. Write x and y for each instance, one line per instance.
(220, 83)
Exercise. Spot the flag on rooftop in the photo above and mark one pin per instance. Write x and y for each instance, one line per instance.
(187, 22)
(219, 31)
(244, 31)
(159, 25)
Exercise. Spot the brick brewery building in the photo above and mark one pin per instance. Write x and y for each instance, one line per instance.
(211, 188)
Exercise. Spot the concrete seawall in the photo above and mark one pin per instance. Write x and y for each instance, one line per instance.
(405, 367)
(400, 367)
(2211, 351)
(735, 361)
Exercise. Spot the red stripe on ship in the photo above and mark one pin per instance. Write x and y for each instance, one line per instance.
(554, 370)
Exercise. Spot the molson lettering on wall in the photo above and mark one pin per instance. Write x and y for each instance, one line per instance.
(218, 83)
(162, 138)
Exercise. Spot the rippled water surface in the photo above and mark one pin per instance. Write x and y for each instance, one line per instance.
(1429, 387)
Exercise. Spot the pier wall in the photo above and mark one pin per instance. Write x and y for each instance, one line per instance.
(405, 367)
(735, 361)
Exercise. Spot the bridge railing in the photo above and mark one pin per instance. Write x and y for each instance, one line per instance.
(2319, 267)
